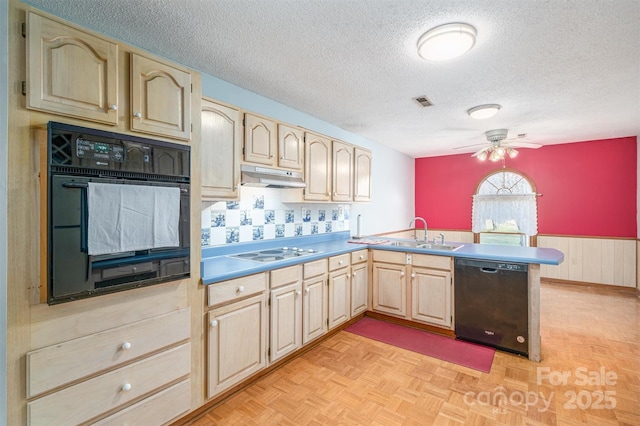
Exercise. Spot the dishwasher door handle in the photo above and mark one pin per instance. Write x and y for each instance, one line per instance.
(489, 270)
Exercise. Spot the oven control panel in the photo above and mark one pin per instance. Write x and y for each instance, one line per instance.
(89, 149)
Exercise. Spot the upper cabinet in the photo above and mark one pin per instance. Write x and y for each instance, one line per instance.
(342, 162)
(271, 144)
(259, 140)
(160, 98)
(74, 73)
(221, 140)
(71, 72)
(290, 147)
(317, 168)
(361, 175)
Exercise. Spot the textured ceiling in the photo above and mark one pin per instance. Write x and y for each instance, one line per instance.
(563, 70)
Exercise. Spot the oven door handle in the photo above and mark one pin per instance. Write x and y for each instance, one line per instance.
(75, 185)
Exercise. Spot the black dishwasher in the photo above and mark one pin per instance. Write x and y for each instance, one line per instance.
(492, 304)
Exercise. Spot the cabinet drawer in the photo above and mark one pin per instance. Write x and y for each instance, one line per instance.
(158, 409)
(390, 257)
(337, 262)
(56, 365)
(313, 269)
(359, 256)
(431, 261)
(231, 290)
(91, 398)
(284, 276)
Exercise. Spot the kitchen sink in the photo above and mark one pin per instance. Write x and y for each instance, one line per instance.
(423, 245)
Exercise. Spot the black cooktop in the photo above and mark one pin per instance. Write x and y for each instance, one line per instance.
(275, 254)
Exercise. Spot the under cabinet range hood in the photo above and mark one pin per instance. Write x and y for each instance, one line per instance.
(270, 178)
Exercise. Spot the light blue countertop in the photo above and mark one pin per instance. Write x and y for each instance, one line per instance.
(217, 266)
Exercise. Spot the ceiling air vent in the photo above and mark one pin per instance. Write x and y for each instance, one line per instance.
(422, 100)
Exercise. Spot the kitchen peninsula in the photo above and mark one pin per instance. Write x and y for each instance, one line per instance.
(222, 265)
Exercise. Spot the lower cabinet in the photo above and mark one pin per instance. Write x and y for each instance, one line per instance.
(425, 297)
(237, 332)
(285, 304)
(80, 380)
(359, 282)
(314, 300)
(339, 290)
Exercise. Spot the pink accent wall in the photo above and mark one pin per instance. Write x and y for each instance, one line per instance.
(588, 188)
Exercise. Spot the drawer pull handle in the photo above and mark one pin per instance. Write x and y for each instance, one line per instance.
(126, 387)
(361, 256)
(214, 323)
(340, 262)
(125, 346)
(240, 288)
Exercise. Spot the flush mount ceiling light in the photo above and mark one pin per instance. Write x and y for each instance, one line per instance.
(481, 112)
(446, 41)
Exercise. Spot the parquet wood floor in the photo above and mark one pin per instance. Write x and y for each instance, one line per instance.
(590, 375)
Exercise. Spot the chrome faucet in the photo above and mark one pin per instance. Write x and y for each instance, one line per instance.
(441, 236)
(411, 224)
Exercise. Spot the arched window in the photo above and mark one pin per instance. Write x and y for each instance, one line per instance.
(505, 209)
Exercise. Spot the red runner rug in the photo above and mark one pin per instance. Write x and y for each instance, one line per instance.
(445, 348)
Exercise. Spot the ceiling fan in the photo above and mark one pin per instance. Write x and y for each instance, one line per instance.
(500, 145)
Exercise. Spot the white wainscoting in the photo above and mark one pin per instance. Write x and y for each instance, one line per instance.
(593, 260)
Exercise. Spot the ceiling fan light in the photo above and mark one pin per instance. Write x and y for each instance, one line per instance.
(446, 41)
(495, 156)
(512, 152)
(482, 112)
(482, 156)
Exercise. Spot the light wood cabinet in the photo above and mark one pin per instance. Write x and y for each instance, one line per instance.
(431, 296)
(221, 142)
(314, 300)
(428, 299)
(285, 304)
(78, 359)
(71, 72)
(317, 167)
(359, 282)
(236, 342)
(339, 308)
(160, 98)
(259, 140)
(389, 289)
(342, 167)
(290, 147)
(361, 174)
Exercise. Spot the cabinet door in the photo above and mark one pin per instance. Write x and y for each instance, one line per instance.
(221, 145)
(71, 72)
(236, 343)
(317, 168)
(259, 140)
(362, 175)
(359, 288)
(339, 297)
(160, 98)
(290, 147)
(286, 320)
(342, 157)
(389, 289)
(314, 308)
(431, 296)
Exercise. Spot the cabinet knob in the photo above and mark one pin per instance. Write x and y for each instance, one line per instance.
(340, 262)
(413, 275)
(113, 107)
(361, 256)
(214, 323)
(282, 158)
(137, 115)
(271, 156)
(240, 288)
(402, 274)
(298, 292)
(306, 290)
(126, 387)
(125, 346)
(353, 275)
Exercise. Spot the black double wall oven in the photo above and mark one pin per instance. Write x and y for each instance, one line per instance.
(118, 212)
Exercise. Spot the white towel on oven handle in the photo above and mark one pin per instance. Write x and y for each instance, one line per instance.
(124, 218)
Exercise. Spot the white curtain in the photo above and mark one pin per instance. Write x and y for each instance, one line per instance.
(500, 208)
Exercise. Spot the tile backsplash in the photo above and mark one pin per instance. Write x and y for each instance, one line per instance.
(261, 215)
